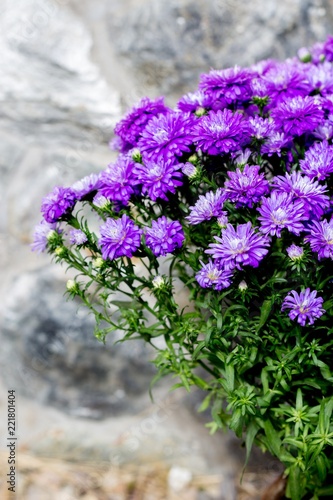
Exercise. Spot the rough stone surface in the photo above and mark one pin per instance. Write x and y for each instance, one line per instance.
(167, 44)
(58, 361)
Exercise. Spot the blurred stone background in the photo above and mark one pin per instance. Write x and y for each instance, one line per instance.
(68, 70)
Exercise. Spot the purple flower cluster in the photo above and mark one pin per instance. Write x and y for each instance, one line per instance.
(243, 166)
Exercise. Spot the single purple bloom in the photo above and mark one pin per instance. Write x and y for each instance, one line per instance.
(164, 236)
(240, 246)
(77, 237)
(207, 206)
(306, 307)
(309, 191)
(119, 237)
(324, 131)
(86, 185)
(227, 85)
(285, 81)
(241, 157)
(321, 238)
(212, 276)
(58, 203)
(220, 132)
(260, 128)
(189, 170)
(321, 78)
(167, 136)
(158, 178)
(279, 211)
(295, 252)
(118, 180)
(41, 234)
(192, 102)
(298, 115)
(130, 128)
(275, 143)
(247, 186)
(328, 49)
(318, 161)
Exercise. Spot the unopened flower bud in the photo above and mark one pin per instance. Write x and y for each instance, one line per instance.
(98, 263)
(60, 251)
(136, 155)
(158, 282)
(200, 111)
(72, 286)
(242, 286)
(295, 252)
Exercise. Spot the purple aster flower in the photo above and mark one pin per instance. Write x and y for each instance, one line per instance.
(279, 211)
(284, 81)
(321, 78)
(241, 157)
(328, 49)
(86, 185)
(220, 132)
(309, 191)
(246, 186)
(240, 246)
(321, 238)
(189, 170)
(58, 203)
(260, 128)
(318, 161)
(164, 236)
(158, 177)
(77, 237)
(227, 85)
(41, 235)
(211, 276)
(192, 102)
(119, 237)
(207, 206)
(295, 252)
(298, 115)
(130, 128)
(306, 307)
(118, 180)
(275, 143)
(167, 136)
(325, 130)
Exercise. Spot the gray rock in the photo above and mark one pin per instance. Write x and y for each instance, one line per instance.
(167, 44)
(49, 352)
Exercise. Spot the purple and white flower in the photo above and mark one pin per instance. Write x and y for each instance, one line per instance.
(240, 246)
(305, 306)
(119, 237)
(164, 236)
(212, 276)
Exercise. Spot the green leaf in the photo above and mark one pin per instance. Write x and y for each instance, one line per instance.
(251, 433)
(294, 483)
(273, 440)
(264, 313)
(229, 374)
